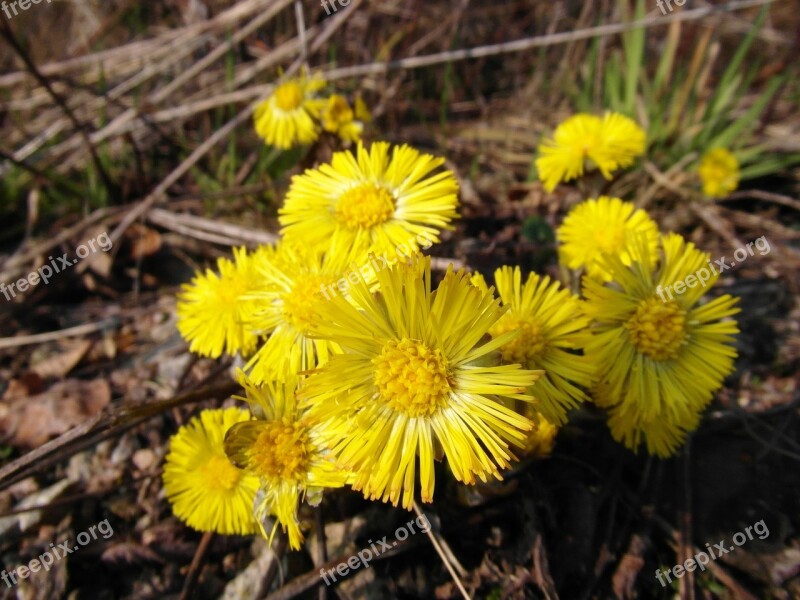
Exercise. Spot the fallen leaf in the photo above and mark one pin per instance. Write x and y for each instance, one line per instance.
(144, 241)
(66, 356)
(28, 422)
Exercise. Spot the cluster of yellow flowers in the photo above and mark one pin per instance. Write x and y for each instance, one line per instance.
(295, 114)
(658, 361)
(370, 386)
(613, 142)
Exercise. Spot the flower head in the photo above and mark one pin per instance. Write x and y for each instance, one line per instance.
(284, 450)
(369, 200)
(296, 281)
(603, 226)
(542, 438)
(211, 314)
(338, 118)
(414, 381)
(610, 143)
(661, 356)
(288, 117)
(206, 491)
(621, 141)
(719, 172)
(553, 329)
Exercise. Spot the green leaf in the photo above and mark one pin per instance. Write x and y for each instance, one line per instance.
(733, 70)
(633, 42)
(769, 166)
(742, 126)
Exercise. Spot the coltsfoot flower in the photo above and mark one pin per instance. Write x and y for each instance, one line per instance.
(719, 172)
(294, 280)
(289, 117)
(285, 451)
(413, 382)
(370, 200)
(553, 330)
(609, 143)
(660, 360)
(542, 438)
(206, 491)
(211, 313)
(603, 226)
(338, 118)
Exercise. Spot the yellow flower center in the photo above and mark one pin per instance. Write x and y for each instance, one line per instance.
(219, 474)
(300, 304)
(527, 347)
(609, 240)
(412, 378)
(657, 329)
(289, 96)
(281, 451)
(365, 206)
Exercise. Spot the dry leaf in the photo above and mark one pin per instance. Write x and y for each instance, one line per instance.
(66, 356)
(28, 422)
(144, 241)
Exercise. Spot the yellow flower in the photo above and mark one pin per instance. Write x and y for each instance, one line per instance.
(719, 172)
(661, 436)
(206, 491)
(542, 438)
(368, 200)
(295, 282)
(284, 450)
(339, 118)
(603, 226)
(414, 381)
(288, 117)
(621, 141)
(552, 328)
(211, 316)
(610, 143)
(660, 355)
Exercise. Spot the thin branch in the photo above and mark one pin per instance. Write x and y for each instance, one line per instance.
(301, 31)
(218, 136)
(12, 41)
(442, 554)
(763, 195)
(378, 68)
(50, 336)
(111, 421)
(197, 563)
